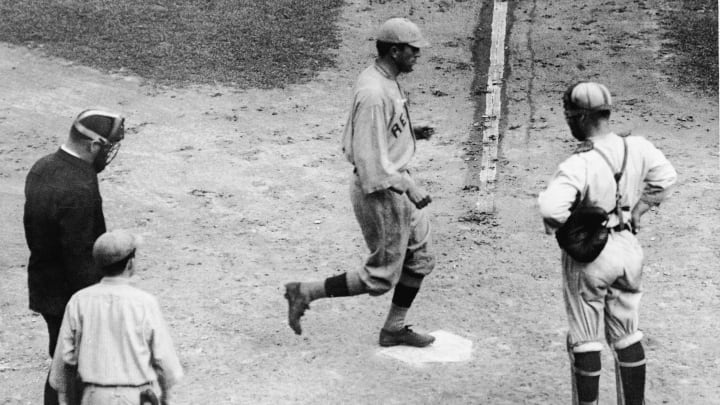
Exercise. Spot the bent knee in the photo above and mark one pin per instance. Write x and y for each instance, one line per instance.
(378, 287)
(420, 265)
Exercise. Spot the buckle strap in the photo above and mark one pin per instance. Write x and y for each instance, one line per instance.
(585, 373)
(617, 176)
(632, 364)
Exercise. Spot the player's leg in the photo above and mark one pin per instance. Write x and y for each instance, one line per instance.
(378, 215)
(630, 374)
(418, 263)
(585, 366)
(53, 325)
(584, 298)
(621, 322)
(300, 295)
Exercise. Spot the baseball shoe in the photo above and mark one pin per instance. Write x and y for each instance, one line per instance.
(297, 304)
(405, 336)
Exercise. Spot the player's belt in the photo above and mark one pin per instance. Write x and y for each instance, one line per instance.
(147, 384)
(621, 227)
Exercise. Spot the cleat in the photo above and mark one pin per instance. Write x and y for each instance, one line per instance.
(405, 336)
(297, 304)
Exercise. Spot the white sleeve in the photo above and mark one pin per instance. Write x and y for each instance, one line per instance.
(562, 191)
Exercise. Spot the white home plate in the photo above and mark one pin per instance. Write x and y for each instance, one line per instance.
(447, 347)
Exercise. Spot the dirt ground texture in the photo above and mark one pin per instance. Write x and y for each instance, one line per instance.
(236, 192)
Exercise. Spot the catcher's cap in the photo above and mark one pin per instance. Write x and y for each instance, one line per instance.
(100, 126)
(401, 31)
(112, 247)
(587, 96)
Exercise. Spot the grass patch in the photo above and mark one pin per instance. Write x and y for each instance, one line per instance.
(244, 43)
(691, 32)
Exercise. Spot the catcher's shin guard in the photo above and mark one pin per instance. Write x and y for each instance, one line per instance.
(585, 368)
(630, 374)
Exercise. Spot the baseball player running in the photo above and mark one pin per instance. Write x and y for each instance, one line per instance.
(379, 141)
(607, 288)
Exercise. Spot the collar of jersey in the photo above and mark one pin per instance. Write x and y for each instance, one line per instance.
(383, 71)
(115, 280)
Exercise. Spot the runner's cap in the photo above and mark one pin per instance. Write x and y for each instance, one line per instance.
(401, 31)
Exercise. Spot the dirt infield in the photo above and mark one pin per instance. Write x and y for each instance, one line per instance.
(238, 191)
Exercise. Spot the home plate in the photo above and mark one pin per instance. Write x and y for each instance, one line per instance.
(447, 347)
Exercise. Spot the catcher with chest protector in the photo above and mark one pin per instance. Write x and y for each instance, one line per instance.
(594, 203)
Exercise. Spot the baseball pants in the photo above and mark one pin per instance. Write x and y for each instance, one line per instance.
(398, 236)
(607, 289)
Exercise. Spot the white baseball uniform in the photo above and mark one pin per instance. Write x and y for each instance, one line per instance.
(608, 288)
(379, 142)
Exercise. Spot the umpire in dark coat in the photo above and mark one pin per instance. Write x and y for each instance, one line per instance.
(63, 217)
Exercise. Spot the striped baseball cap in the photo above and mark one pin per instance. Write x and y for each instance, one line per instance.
(587, 96)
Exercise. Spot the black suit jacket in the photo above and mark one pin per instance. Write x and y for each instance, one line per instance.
(63, 217)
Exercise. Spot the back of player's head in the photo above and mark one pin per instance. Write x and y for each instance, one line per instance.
(112, 251)
(587, 98)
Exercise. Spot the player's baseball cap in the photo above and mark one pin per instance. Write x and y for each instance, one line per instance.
(587, 96)
(401, 31)
(112, 247)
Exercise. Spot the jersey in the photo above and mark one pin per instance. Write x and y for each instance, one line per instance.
(647, 176)
(378, 138)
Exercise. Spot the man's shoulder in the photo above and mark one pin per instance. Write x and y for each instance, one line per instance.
(575, 162)
(46, 163)
(371, 81)
(140, 296)
(56, 170)
(638, 140)
(131, 290)
(125, 289)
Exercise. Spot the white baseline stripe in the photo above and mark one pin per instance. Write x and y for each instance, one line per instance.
(493, 104)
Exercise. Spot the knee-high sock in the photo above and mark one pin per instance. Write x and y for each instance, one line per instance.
(342, 285)
(585, 376)
(403, 298)
(630, 374)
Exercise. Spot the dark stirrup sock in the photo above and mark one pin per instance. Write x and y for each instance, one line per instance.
(342, 285)
(404, 295)
(587, 368)
(403, 298)
(631, 366)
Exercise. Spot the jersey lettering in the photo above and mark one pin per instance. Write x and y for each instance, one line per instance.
(396, 130)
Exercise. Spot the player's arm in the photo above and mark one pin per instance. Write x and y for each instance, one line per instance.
(370, 152)
(415, 193)
(562, 194)
(370, 148)
(63, 370)
(660, 177)
(165, 361)
(78, 221)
